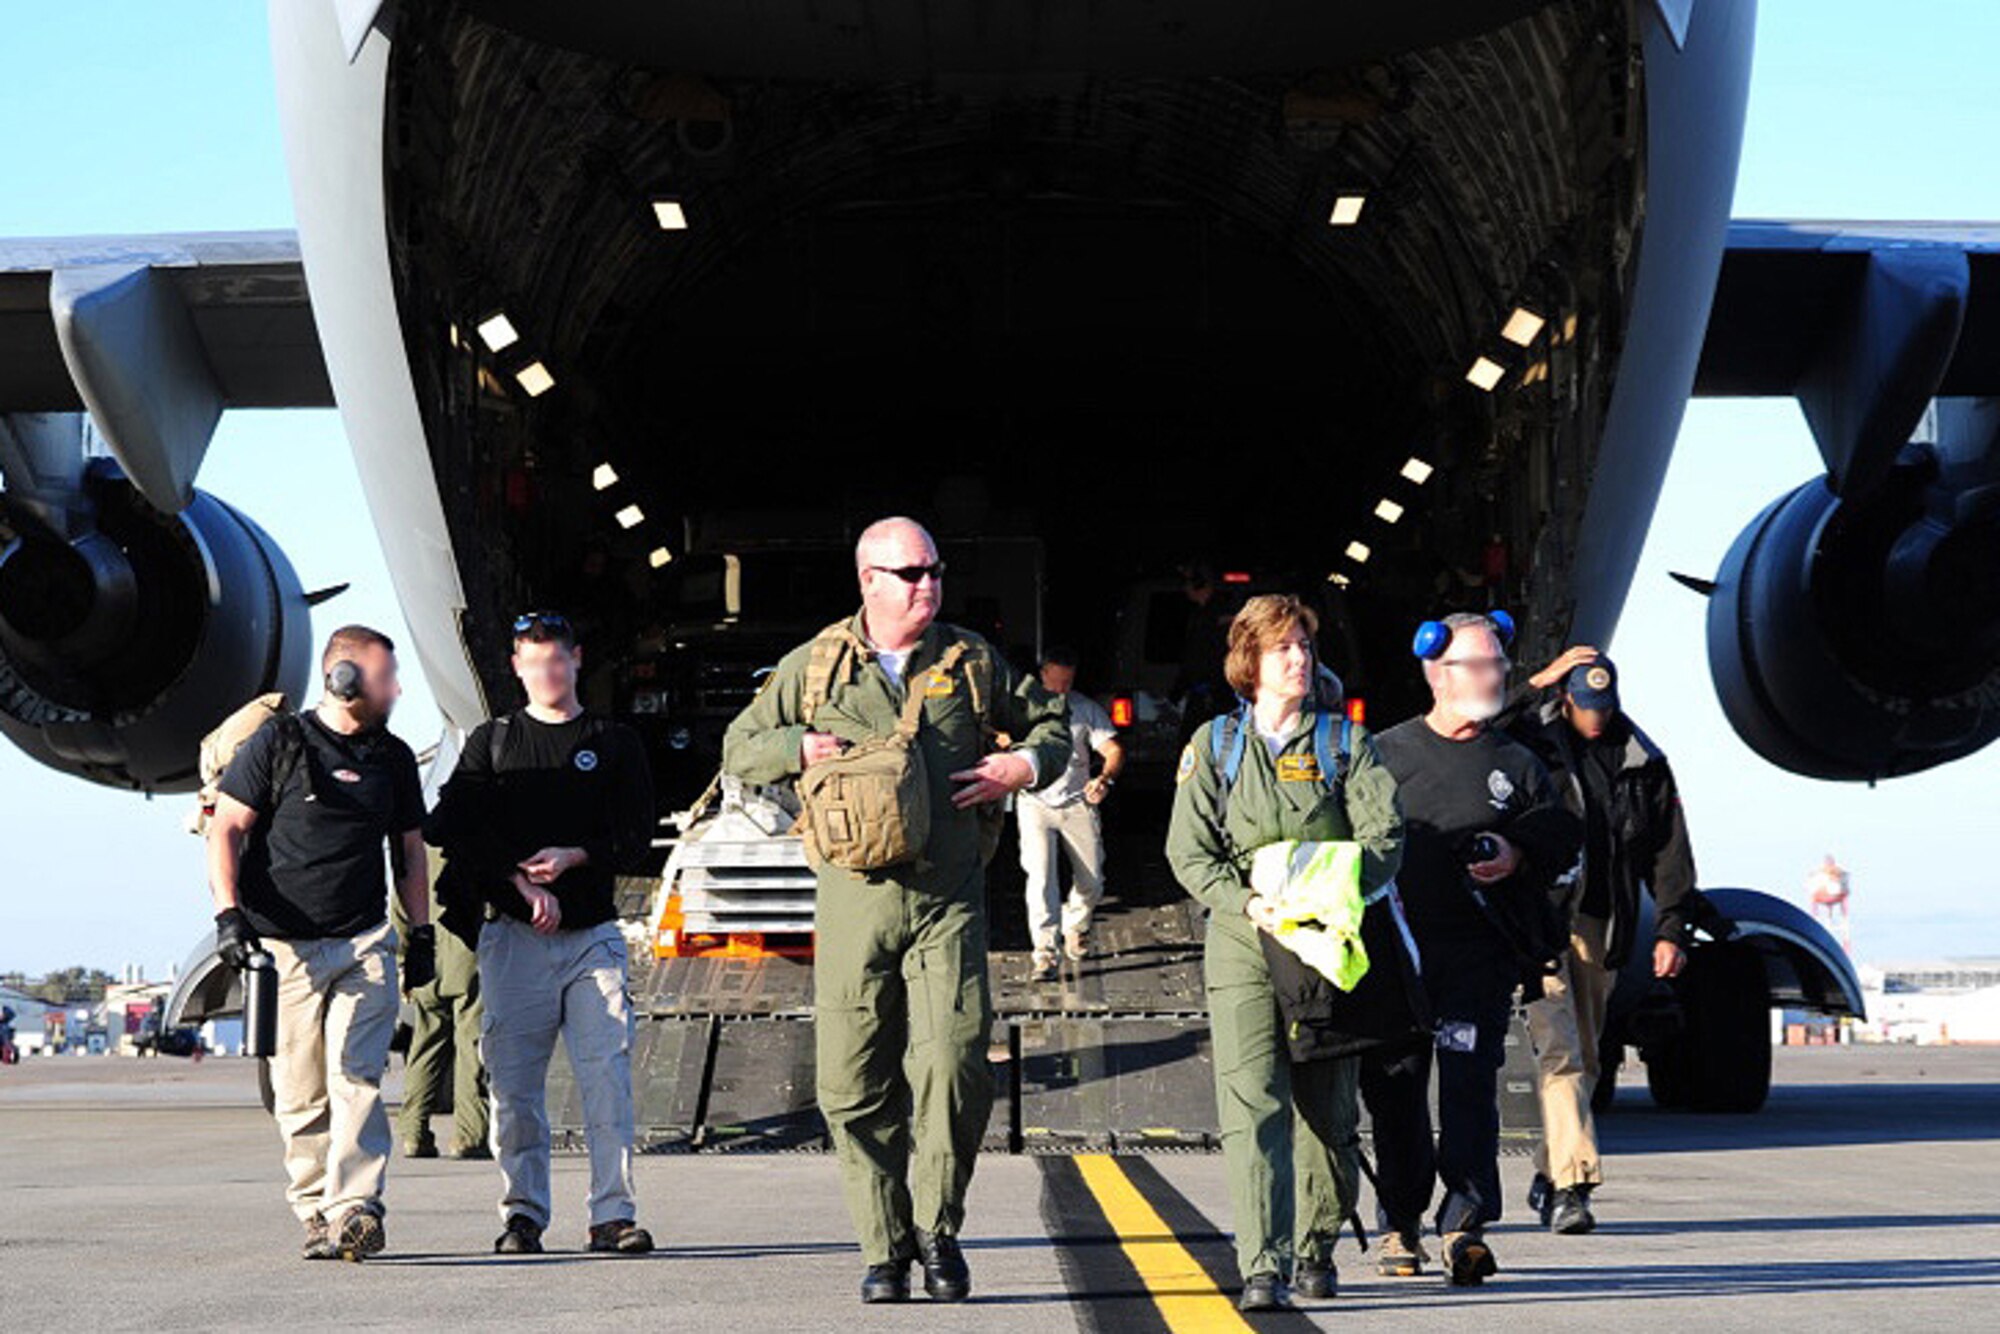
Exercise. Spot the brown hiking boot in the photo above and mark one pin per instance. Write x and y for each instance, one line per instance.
(620, 1236)
(1401, 1255)
(1468, 1260)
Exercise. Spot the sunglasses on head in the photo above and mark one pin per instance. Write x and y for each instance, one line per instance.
(912, 574)
(553, 621)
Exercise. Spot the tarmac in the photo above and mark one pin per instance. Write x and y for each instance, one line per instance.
(148, 1195)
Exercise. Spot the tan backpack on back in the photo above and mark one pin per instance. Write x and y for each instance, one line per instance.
(219, 747)
(868, 807)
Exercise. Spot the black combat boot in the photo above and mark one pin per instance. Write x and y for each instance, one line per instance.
(1315, 1279)
(886, 1282)
(1569, 1212)
(1261, 1292)
(946, 1277)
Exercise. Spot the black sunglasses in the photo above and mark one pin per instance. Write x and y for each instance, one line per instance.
(911, 574)
(553, 621)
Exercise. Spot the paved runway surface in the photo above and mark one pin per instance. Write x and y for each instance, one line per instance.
(146, 1195)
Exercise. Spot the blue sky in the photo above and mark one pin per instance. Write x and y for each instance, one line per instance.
(159, 115)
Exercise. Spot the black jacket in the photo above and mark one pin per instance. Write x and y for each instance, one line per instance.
(1647, 831)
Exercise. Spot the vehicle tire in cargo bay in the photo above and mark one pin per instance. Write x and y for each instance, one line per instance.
(1721, 1059)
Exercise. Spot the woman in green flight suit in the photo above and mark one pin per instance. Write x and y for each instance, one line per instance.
(1278, 793)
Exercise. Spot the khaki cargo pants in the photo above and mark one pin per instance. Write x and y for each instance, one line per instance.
(902, 1019)
(1564, 1026)
(336, 1015)
(1075, 829)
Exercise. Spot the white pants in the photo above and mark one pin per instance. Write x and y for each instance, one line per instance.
(1078, 831)
(535, 987)
(336, 1015)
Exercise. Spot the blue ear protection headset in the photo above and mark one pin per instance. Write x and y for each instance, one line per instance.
(344, 680)
(1434, 636)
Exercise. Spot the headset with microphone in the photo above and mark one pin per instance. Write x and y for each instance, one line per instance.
(1433, 637)
(344, 681)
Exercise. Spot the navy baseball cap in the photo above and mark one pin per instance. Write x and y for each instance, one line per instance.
(1593, 685)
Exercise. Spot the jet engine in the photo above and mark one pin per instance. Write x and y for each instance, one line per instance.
(127, 633)
(1859, 638)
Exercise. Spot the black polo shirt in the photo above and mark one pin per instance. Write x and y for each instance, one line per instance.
(313, 866)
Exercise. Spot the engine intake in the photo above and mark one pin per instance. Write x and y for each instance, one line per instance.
(121, 647)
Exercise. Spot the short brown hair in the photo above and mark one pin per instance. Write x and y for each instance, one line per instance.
(349, 640)
(1264, 620)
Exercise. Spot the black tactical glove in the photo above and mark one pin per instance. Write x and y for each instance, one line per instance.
(235, 939)
(420, 957)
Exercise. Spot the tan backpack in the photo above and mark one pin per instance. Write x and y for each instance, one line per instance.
(868, 807)
(219, 747)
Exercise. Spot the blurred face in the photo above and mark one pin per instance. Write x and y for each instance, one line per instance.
(1471, 678)
(1057, 679)
(1590, 723)
(380, 689)
(1285, 668)
(901, 583)
(548, 671)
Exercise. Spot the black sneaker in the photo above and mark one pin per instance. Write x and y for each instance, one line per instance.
(1315, 1279)
(1468, 1260)
(1542, 1197)
(1569, 1213)
(361, 1234)
(470, 1152)
(319, 1240)
(522, 1237)
(420, 1148)
(946, 1277)
(621, 1236)
(1261, 1292)
(886, 1282)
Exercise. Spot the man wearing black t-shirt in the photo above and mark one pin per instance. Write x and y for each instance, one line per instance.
(545, 807)
(1485, 832)
(295, 860)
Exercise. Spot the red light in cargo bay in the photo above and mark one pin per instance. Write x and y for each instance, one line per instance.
(1121, 711)
(1236, 576)
(1357, 709)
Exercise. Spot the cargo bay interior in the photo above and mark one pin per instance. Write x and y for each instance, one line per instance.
(1343, 328)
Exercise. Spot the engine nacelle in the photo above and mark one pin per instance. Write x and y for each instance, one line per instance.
(122, 648)
(1861, 640)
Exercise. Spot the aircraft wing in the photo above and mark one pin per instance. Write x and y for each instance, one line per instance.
(243, 294)
(1790, 293)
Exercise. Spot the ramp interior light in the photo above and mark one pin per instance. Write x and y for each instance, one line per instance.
(1388, 511)
(1338, 580)
(1358, 552)
(1485, 374)
(1417, 471)
(603, 477)
(630, 517)
(535, 378)
(659, 556)
(670, 215)
(498, 332)
(1522, 326)
(1346, 210)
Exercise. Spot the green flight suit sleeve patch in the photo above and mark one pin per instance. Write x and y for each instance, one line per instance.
(1186, 766)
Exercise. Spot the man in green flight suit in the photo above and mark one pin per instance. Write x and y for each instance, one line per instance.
(1289, 1128)
(902, 1010)
(444, 1045)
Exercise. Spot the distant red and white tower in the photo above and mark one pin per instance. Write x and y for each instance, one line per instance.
(1827, 888)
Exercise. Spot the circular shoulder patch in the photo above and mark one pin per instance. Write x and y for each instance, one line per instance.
(1597, 678)
(585, 760)
(1186, 766)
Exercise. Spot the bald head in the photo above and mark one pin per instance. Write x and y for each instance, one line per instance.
(893, 542)
(897, 608)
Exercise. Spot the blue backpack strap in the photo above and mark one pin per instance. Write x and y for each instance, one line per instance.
(1226, 739)
(1333, 760)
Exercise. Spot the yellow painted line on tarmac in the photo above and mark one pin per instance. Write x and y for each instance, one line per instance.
(1186, 1296)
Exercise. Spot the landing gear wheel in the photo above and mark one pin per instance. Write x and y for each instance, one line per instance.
(1721, 1059)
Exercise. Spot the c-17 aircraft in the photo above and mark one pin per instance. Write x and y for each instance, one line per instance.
(642, 311)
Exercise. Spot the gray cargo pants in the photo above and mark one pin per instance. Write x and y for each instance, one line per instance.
(571, 983)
